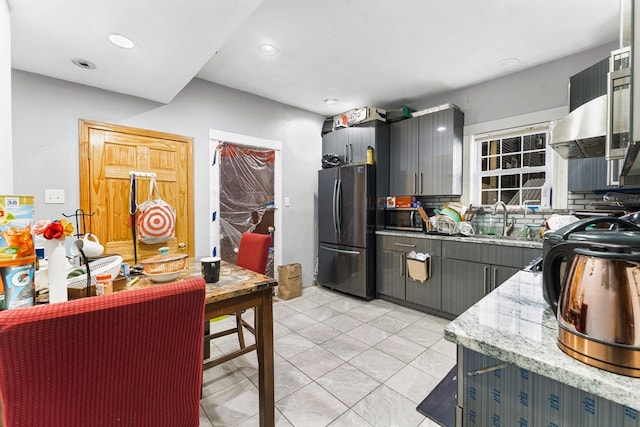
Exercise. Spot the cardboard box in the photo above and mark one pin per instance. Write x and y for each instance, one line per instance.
(405, 201)
(358, 115)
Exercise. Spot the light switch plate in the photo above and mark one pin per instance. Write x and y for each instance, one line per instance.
(287, 202)
(54, 196)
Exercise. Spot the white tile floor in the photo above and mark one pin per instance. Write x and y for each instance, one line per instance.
(339, 361)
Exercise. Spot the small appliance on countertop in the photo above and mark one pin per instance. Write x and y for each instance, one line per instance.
(407, 219)
(585, 231)
(598, 310)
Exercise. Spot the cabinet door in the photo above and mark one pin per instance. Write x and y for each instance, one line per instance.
(336, 142)
(425, 154)
(500, 274)
(403, 158)
(359, 139)
(429, 292)
(465, 284)
(390, 273)
(587, 174)
(443, 169)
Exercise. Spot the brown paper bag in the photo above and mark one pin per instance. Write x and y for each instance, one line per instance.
(289, 281)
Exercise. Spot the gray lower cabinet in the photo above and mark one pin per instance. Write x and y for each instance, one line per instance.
(393, 279)
(472, 270)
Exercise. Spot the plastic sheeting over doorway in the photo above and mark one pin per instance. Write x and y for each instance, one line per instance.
(246, 196)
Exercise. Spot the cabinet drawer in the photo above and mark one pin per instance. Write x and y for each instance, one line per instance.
(508, 256)
(408, 244)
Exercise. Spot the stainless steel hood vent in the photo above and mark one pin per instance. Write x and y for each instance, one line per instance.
(583, 132)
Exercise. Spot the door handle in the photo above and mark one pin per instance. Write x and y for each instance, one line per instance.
(339, 206)
(335, 202)
(340, 251)
(484, 277)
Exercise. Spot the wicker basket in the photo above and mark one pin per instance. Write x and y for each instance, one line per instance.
(107, 265)
(165, 263)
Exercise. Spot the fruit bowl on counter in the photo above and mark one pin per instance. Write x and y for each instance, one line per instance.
(164, 267)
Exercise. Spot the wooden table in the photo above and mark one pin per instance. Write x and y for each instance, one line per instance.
(241, 289)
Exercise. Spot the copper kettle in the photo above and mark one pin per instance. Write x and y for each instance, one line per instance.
(599, 304)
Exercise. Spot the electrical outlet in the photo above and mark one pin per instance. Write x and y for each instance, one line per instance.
(286, 202)
(54, 196)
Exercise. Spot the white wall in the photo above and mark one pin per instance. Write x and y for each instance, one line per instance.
(45, 143)
(6, 165)
(537, 89)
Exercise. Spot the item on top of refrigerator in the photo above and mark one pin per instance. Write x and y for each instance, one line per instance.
(398, 114)
(331, 161)
(358, 115)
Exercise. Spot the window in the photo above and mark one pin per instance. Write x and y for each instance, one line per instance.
(514, 165)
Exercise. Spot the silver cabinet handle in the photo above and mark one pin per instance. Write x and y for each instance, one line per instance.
(415, 183)
(404, 245)
(350, 153)
(346, 153)
(421, 183)
(495, 276)
(484, 279)
(401, 265)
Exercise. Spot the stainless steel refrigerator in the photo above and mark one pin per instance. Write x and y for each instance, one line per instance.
(346, 229)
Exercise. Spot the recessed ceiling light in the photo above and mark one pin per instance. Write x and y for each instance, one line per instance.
(83, 63)
(268, 49)
(508, 62)
(441, 128)
(330, 101)
(121, 41)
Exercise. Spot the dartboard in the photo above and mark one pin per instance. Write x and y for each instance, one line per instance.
(156, 224)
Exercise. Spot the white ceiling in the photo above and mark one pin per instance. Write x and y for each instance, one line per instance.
(362, 52)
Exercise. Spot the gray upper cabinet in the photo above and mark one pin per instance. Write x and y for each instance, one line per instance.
(587, 174)
(403, 158)
(426, 154)
(351, 143)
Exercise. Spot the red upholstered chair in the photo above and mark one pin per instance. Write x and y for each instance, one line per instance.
(133, 358)
(253, 254)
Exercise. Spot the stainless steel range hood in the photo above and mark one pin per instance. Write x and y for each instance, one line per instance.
(604, 126)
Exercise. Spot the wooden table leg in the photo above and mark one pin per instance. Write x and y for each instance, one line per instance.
(206, 349)
(264, 341)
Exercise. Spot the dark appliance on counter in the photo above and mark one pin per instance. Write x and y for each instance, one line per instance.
(347, 221)
(407, 219)
(598, 309)
(594, 230)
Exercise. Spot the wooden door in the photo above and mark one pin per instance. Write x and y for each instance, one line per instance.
(108, 153)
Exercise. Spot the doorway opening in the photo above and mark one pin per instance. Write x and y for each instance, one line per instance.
(245, 176)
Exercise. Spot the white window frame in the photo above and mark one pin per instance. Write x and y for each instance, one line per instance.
(479, 138)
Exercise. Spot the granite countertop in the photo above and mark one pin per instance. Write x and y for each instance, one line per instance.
(510, 241)
(515, 324)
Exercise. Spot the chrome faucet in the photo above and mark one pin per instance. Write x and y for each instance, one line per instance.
(506, 227)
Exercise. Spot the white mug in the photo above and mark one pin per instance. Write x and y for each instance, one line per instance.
(91, 246)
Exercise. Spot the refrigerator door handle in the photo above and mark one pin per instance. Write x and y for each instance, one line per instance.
(340, 251)
(339, 206)
(334, 201)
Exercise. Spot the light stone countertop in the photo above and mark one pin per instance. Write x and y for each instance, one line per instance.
(522, 243)
(514, 324)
